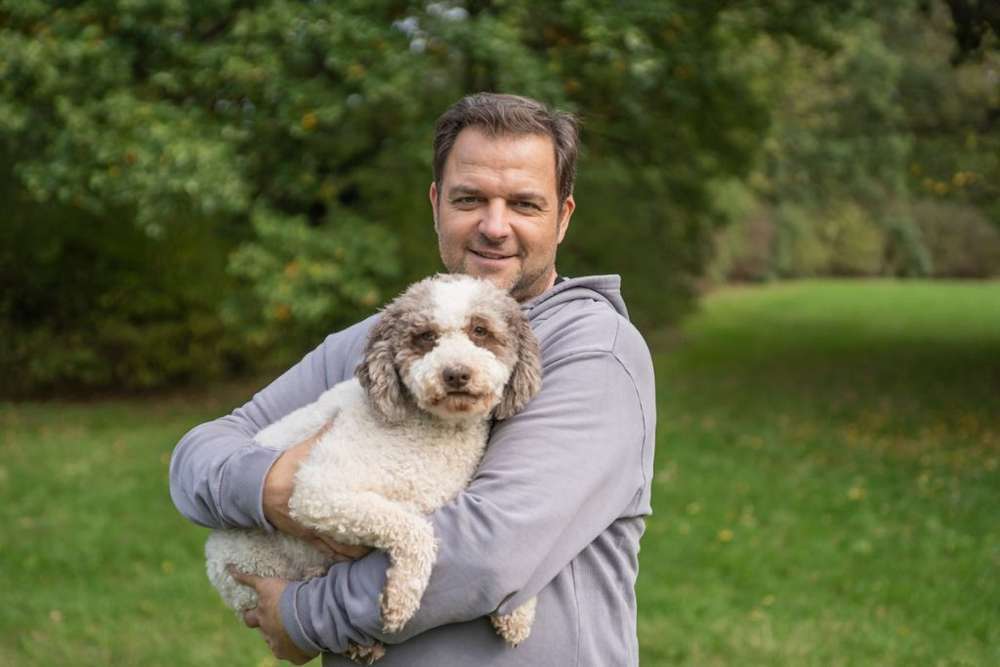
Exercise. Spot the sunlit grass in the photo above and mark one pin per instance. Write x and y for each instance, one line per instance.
(96, 566)
(827, 479)
(825, 493)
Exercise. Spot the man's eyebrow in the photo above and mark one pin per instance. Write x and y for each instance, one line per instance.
(463, 190)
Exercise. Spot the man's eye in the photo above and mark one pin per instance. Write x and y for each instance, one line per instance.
(526, 204)
(465, 201)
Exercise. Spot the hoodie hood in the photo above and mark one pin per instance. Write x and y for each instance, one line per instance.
(592, 288)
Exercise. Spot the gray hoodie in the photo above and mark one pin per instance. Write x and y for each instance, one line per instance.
(555, 510)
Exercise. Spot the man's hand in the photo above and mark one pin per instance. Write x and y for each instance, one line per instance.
(278, 487)
(266, 617)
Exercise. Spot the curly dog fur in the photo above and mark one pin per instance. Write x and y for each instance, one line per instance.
(407, 434)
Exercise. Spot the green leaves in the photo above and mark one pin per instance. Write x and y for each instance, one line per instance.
(304, 278)
(297, 134)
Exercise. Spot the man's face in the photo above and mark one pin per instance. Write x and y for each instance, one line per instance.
(497, 214)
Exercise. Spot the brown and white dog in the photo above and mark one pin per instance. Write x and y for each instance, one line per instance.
(407, 435)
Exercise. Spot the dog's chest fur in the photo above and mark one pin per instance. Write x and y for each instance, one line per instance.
(421, 463)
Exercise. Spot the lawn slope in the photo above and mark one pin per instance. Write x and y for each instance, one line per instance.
(827, 487)
(826, 493)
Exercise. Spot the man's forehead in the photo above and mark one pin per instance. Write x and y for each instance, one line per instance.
(531, 154)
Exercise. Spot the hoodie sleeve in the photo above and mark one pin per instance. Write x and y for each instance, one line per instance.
(216, 472)
(553, 479)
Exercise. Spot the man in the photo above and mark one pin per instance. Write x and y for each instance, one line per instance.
(556, 508)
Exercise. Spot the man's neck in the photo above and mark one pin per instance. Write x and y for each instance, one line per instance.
(548, 283)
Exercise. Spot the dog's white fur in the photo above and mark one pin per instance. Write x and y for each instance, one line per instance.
(406, 436)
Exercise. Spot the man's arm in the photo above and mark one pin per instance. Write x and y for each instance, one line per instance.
(554, 477)
(216, 473)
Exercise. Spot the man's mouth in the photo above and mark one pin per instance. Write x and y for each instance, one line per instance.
(488, 254)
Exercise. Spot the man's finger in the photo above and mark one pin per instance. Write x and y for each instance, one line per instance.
(243, 577)
(350, 551)
(250, 618)
(346, 551)
(322, 546)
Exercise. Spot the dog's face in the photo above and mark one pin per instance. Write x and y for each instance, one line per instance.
(457, 347)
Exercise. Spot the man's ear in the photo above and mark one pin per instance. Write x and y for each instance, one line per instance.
(433, 195)
(567, 212)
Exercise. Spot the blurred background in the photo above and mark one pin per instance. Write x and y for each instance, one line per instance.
(802, 197)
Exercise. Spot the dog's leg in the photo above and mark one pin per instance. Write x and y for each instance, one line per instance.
(515, 626)
(303, 423)
(370, 519)
(262, 554)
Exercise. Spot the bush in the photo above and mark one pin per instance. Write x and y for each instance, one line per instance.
(857, 244)
(745, 251)
(303, 281)
(795, 241)
(90, 303)
(961, 241)
(792, 241)
(800, 248)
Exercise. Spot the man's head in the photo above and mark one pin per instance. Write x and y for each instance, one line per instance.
(502, 193)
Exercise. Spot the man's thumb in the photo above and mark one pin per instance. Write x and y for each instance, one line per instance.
(243, 577)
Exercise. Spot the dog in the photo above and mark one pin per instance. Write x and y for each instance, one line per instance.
(401, 439)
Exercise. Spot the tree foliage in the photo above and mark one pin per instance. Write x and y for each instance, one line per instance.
(867, 145)
(297, 136)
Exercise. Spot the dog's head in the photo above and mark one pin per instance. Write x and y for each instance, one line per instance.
(455, 346)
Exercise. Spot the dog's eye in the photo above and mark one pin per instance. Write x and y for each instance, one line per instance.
(428, 336)
(479, 331)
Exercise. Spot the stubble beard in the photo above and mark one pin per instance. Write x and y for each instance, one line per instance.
(521, 285)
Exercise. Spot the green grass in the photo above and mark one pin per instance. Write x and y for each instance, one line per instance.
(826, 493)
(826, 486)
(96, 566)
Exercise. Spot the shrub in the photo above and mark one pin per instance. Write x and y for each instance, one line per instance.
(746, 250)
(856, 242)
(800, 248)
(796, 241)
(90, 303)
(961, 241)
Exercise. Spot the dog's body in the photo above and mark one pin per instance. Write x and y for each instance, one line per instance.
(401, 440)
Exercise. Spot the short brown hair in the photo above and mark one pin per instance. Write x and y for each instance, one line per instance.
(497, 115)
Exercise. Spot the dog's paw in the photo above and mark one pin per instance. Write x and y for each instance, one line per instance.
(515, 627)
(364, 655)
(396, 610)
(315, 571)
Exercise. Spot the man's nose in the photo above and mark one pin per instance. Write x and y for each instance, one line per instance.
(494, 224)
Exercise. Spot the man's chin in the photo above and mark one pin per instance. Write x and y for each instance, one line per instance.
(505, 280)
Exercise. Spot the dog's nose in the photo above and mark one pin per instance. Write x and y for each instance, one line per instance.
(456, 377)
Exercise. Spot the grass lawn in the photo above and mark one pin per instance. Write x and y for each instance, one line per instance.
(827, 488)
(826, 492)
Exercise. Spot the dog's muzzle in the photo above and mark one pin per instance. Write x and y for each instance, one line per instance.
(456, 377)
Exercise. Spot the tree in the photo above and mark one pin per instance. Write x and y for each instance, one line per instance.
(299, 132)
(869, 145)
(977, 24)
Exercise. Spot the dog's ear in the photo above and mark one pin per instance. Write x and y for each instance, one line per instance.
(377, 371)
(526, 378)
